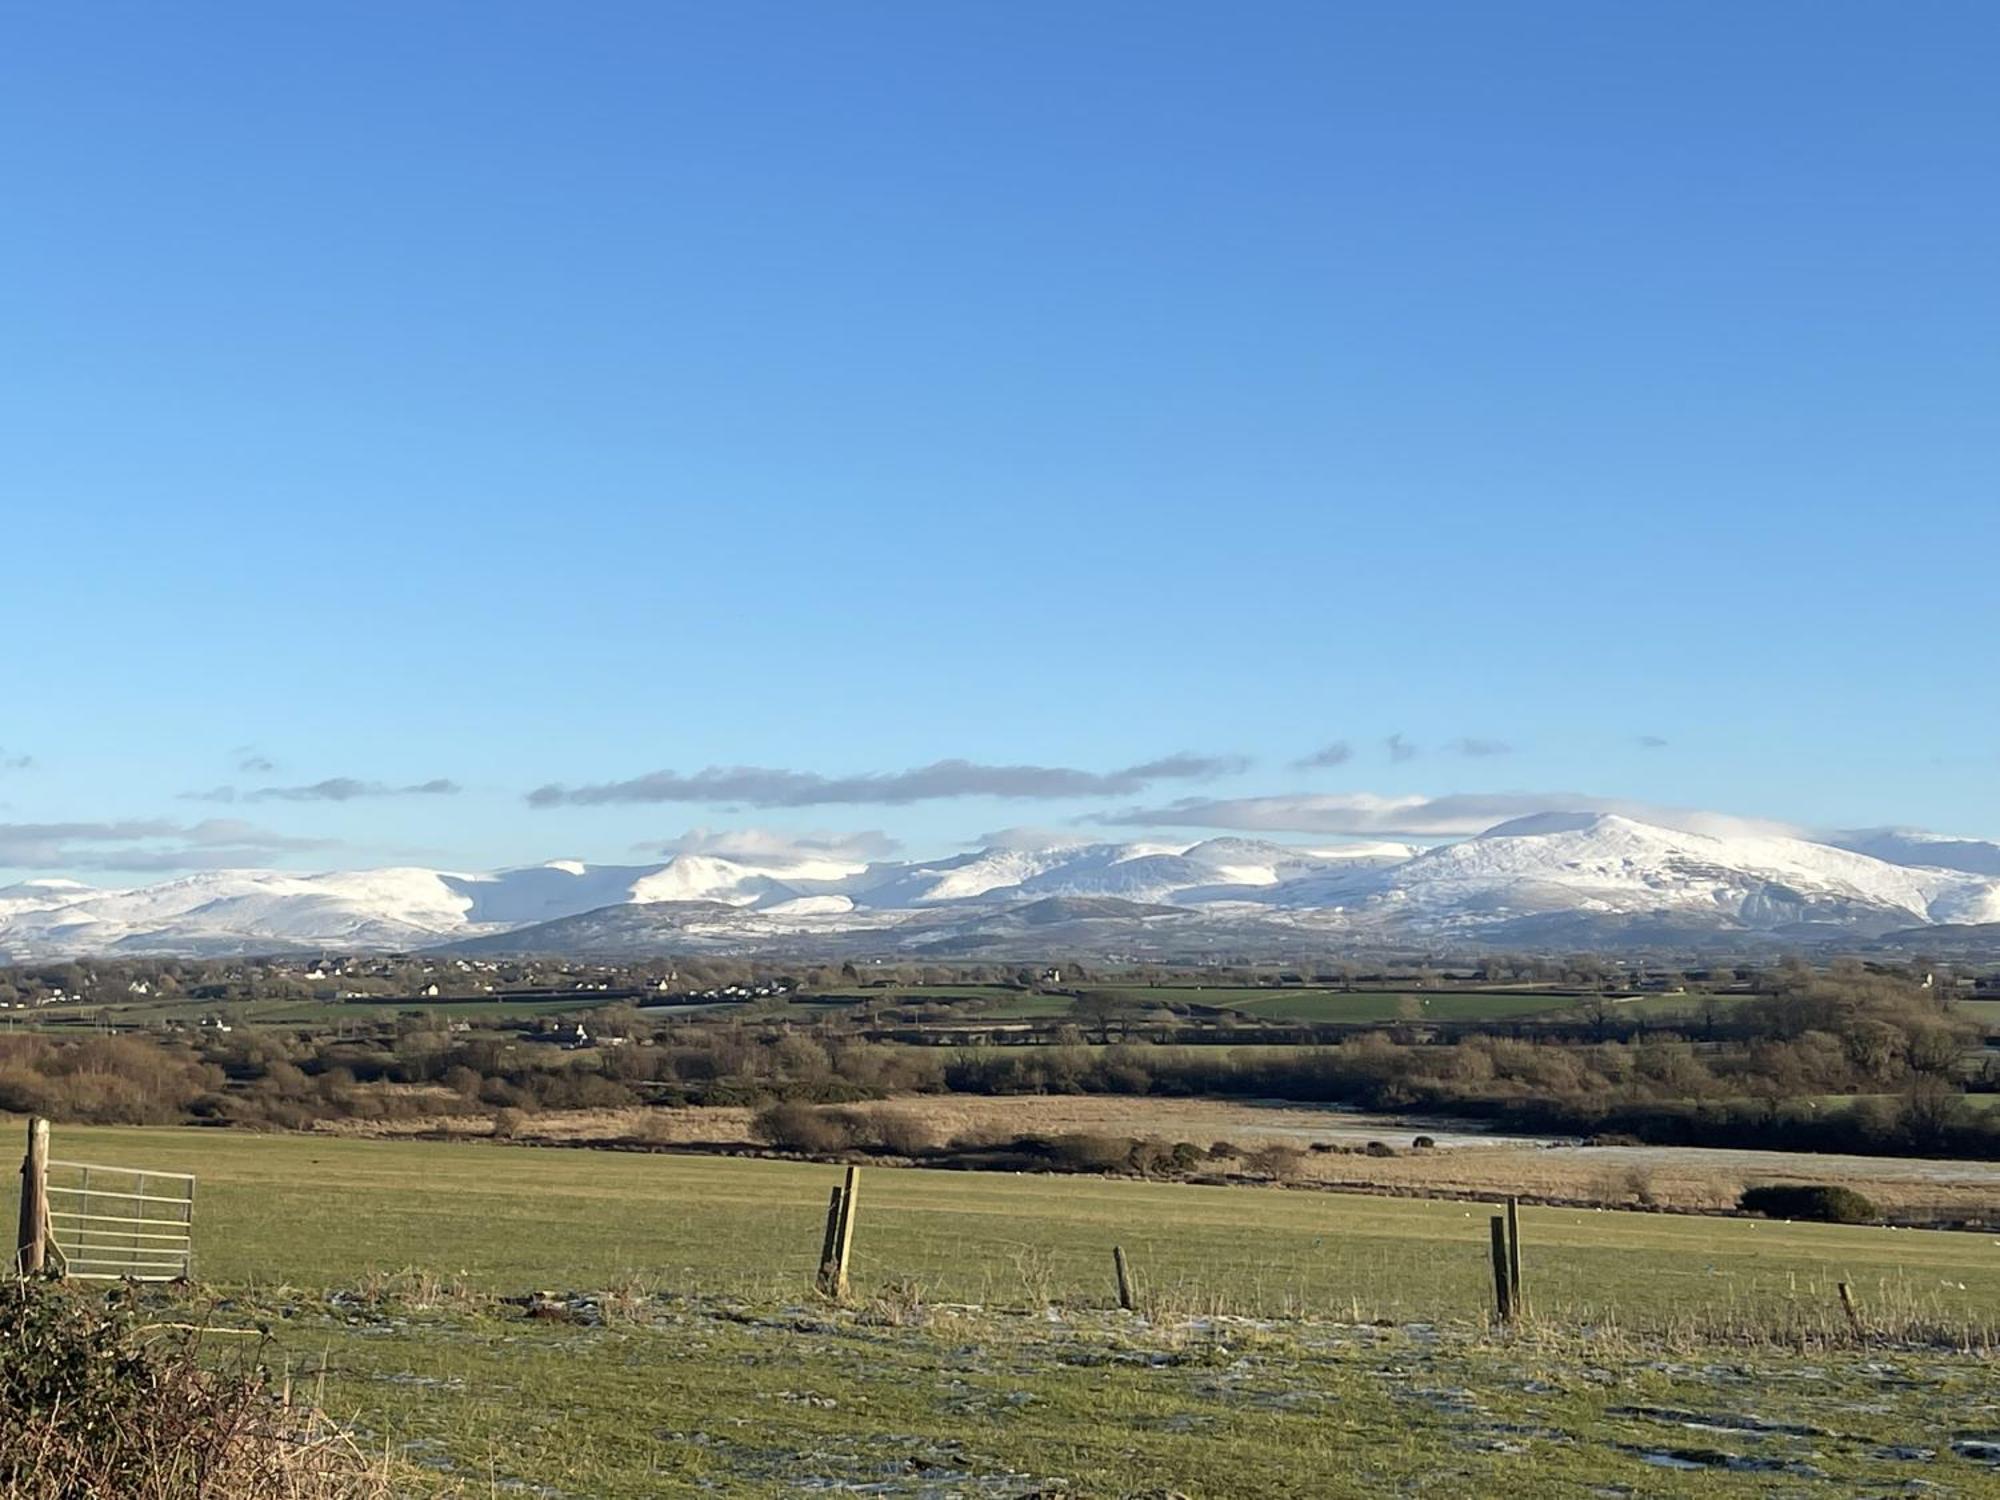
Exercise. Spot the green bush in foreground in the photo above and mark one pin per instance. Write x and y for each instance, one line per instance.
(1821, 1205)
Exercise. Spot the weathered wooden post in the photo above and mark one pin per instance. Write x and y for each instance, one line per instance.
(1853, 1313)
(1124, 1270)
(844, 1231)
(830, 1243)
(1503, 1290)
(1520, 1297)
(33, 1240)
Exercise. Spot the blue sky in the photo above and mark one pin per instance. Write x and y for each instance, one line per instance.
(535, 396)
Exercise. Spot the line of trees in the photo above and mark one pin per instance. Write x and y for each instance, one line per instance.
(1846, 1059)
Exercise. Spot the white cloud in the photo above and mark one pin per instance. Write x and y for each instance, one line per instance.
(333, 789)
(765, 786)
(1335, 753)
(144, 844)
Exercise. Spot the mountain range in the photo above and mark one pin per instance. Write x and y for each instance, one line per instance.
(1552, 881)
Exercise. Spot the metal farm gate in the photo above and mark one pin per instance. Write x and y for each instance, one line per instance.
(119, 1224)
(103, 1223)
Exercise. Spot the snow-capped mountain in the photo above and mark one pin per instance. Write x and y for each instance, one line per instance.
(1598, 864)
(1557, 880)
(42, 895)
(237, 911)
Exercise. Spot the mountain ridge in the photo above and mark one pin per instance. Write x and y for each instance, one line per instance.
(1555, 880)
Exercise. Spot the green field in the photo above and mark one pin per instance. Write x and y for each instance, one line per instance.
(1985, 1012)
(1028, 1006)
(1294, 1003)
(319, 1210)
(849, 994)
(1415, 1005)
(720, 1371)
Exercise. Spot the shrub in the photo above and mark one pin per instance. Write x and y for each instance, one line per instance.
(1150, 1157)
(1424, 1143)
(656, 1127)
(800, 1127)
(90, 1407)
(1083, 1152)
(1635, 1183)
(899, 1134)
(982, 1138)
(1379, 1148)
(1814, 1202)
(1155, 1157)
(1276, 1161)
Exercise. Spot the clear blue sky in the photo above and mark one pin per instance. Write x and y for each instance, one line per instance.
(543, 394)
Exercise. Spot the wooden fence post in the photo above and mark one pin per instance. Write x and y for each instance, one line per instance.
(829, 1245)
(1503, 1298)
(844, 1231)
(33, 1240)
(1853, 1313)
(1519, 1297)
(1124, 1270)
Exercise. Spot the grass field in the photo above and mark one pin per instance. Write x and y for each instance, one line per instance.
(314, 1210)
(848, 995)
(1295, 1003)
(1028, 1006)
(703, 1363)
(1380, 1005)
(1986, 1012)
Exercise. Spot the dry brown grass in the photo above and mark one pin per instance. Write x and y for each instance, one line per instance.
(723, 1125)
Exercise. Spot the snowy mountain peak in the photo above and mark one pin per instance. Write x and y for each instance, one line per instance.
(1557, 879)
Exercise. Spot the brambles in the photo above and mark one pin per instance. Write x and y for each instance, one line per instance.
(91, 1405)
